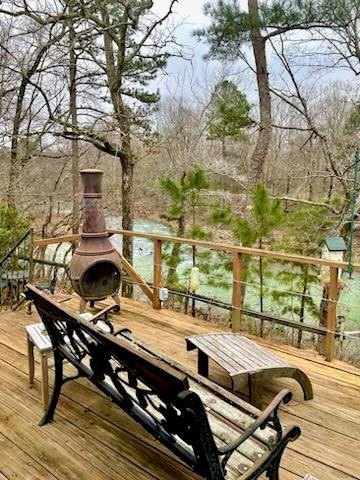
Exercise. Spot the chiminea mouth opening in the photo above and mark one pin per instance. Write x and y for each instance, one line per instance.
(102, 279)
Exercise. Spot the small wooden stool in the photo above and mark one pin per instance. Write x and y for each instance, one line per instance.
(37, 337)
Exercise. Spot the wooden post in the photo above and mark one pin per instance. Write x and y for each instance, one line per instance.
(331, 315)
(157, 273)
(237, 293)
(31, 255)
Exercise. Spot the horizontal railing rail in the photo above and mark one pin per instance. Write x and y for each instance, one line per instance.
(220, 247)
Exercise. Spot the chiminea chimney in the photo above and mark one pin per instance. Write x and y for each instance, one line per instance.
(95, 268)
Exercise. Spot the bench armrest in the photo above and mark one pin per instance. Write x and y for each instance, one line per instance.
(101, 316)
(268, 417)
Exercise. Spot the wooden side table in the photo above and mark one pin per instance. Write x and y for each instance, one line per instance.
(37, 337)
(245, 362)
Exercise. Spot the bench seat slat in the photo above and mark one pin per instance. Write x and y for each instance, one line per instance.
(230, 413)
(249, 449)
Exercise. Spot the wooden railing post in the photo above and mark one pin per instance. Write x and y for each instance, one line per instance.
(331, 315)
(31, 255)
(237, 293)
(157, 273)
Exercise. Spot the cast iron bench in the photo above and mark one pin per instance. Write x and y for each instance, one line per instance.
(218, 435)
(245, 362)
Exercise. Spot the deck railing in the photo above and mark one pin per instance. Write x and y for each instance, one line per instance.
(238, 253)
(16, 269)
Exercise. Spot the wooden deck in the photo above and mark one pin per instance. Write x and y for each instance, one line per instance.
(92, 439)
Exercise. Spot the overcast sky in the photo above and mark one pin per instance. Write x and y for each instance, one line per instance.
(190, 9)
(189, 16)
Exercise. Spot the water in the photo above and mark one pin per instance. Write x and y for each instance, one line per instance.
(143, 248)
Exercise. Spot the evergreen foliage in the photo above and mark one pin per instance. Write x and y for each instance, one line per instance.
(187, 206)
(185, 195)
(13, 224)
(305, 229)
(229, 113)
(264, 216)
(138, 65)
(230, 24)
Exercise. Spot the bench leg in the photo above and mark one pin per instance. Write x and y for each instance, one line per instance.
(49, 415)
(45, 380)
(31, 360)
(273, 471)
(203, 364)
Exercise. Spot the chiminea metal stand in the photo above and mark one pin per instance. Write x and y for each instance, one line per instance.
(95, 268)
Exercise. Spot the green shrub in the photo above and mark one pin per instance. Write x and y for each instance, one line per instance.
(13, 224)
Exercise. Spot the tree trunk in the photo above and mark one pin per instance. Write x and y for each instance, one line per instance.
(311, 191)
(288, 183)
(15, 143)
(127, 195)
(74, 121)
(115, 61)
(262, 77)
(223, 148)
(127, 192)
(330, 190)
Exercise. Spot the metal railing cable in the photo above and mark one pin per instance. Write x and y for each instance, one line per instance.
(320, 330)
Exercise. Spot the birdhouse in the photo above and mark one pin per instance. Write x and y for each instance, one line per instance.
(334, 248)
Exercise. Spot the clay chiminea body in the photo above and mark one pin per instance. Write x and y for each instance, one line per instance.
(95, 268)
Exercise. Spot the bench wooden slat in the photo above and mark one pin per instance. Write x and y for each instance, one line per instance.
(241, 357)
(230, 413)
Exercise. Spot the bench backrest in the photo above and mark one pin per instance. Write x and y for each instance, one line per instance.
(79, 340)
(151, 391)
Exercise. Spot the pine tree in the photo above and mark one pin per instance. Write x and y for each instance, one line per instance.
(186, 203)
(304, 229)
(264, 217)
(232, 28)
(228, 116)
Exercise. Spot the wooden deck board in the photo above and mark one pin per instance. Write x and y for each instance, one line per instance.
(91, 438)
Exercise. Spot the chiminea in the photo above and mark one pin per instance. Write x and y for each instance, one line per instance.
(95, 268)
